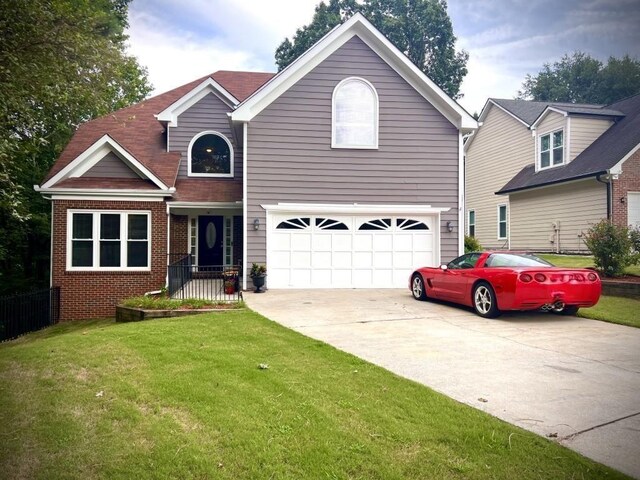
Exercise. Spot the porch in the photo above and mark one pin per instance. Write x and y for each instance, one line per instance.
(187, 279)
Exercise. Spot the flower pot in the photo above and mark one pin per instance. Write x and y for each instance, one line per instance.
(258, 282)
(229, 289)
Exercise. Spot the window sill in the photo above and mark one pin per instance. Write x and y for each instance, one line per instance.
(210, 175)
(353, 147)
(107, 271)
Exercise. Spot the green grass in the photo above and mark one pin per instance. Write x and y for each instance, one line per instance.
(615, 310)
(165, 303)
(184, 398)
(580, 261)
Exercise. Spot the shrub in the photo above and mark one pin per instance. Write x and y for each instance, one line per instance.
(612, 248)
(471, 244)
(634, 234)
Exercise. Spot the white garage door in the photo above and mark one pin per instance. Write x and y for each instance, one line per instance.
(633, 200)
(337, 251)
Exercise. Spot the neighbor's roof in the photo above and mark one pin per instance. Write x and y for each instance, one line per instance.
(529, 111)
(137, 130)
(599, 157)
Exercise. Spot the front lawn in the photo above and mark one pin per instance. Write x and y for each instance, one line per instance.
(234, 395)
(580, 261)
(615, 310)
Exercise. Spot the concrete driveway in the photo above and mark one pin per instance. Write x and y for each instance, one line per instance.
(567, 378)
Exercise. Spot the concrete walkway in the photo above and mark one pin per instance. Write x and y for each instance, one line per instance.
(566, 378)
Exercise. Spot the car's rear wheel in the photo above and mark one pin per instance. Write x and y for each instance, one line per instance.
(417, 287)
(484, 301)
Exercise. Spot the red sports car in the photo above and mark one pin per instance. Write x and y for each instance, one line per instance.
(492, 282)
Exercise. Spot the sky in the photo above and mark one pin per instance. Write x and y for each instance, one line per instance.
(179, 41)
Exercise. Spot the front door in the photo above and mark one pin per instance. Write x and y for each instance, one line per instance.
(210, 240)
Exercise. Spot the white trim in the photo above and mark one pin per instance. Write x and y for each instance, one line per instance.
(215, 175)
(551, 133)
(209, 85)
(617, 168)
(506, 221)
(245, 174)
(107, 198)
(353, 209)
(99, 192)
(217, 205)
(461, 194)
(360, 26)
(92, 155)
(124, 227)
(376, 115)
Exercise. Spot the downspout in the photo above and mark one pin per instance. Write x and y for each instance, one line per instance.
(608, 184)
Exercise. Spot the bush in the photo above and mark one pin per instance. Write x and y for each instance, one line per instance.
(471, 244)
(612, 248)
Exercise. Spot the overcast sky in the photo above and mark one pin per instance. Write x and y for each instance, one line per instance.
(179, 41)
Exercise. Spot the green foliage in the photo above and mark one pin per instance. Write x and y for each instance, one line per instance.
(421, 29)
(258, 270)
(612, 248)
(471, 244)
(166, 303)
(62, 62)
(581, 78)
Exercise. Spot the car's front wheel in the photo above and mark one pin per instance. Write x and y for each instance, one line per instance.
(484, 301)
(417, 287)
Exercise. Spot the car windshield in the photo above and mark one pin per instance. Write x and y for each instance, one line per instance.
(515, 260)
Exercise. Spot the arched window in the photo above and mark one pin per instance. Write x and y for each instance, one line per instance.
(354, 114)
(210, 155)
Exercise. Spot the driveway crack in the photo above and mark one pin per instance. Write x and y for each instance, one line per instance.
(573, 435)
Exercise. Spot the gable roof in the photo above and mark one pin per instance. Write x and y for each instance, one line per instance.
(360, 26)
(606, 153)
(137, 130)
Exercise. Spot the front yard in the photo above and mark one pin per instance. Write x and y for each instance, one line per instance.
(609, 309)
(233, 395)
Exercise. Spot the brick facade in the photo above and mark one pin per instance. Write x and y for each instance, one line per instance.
(95, 294)
(629, 181)
(179, 232)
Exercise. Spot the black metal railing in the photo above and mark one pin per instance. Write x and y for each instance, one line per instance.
(186, 279)
(28, 312)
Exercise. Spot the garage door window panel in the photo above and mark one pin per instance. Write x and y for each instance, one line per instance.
(377, 224)
(294, 224)
(410, 224)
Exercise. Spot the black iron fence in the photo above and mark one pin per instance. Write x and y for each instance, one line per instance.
(187, 279)
(28, 312)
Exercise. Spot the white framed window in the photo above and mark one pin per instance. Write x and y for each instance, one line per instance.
(108, 240)
(471, 223)
(551, 149)
(502, 222)
(354, 117)
(210, 154)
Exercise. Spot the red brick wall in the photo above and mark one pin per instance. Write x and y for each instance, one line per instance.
(628, 181)
(95, 294)
(179, 233)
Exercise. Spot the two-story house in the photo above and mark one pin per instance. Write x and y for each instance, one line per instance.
(344, 170)
(538, 175)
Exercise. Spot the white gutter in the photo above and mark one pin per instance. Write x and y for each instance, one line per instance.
(245, 173)
(353, 208)
(104, 191)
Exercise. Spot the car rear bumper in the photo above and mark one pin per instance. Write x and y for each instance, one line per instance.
(585, 295)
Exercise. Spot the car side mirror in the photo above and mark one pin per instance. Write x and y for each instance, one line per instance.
(444, 268)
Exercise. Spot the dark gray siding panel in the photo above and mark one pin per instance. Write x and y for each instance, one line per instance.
(110, 166)
(291, 160)
(210, 113)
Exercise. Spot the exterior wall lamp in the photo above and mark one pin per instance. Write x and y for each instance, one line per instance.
(256, 224)
(449, 227)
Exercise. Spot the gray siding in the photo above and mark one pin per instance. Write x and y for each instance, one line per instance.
(501, 148)
(575, 205)
(111, 166)
(210, 113)
(290, 158)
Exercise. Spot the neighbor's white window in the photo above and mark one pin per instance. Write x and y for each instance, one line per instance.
(108, 240)
(551, 149)
(354, 114)
(472, 223)
(502, 222)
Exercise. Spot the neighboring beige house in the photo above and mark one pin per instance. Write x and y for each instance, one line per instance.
(538, 175)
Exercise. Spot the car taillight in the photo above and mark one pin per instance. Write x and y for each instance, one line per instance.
(578, 278)
(592, 277)
(539, 277)
(525, 277)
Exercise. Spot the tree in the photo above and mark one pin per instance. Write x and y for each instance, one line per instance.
(581, 78)
(421, 29)
(62, 62)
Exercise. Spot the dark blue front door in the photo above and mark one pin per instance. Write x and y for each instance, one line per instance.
(210, 240)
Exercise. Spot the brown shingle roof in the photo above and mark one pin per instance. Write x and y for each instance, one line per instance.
(136, 129)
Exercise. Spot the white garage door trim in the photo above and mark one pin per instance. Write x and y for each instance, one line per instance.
(353, 275)
(633, 209)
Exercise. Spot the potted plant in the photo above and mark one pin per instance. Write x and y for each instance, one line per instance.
(229, 286)
(258, 274)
